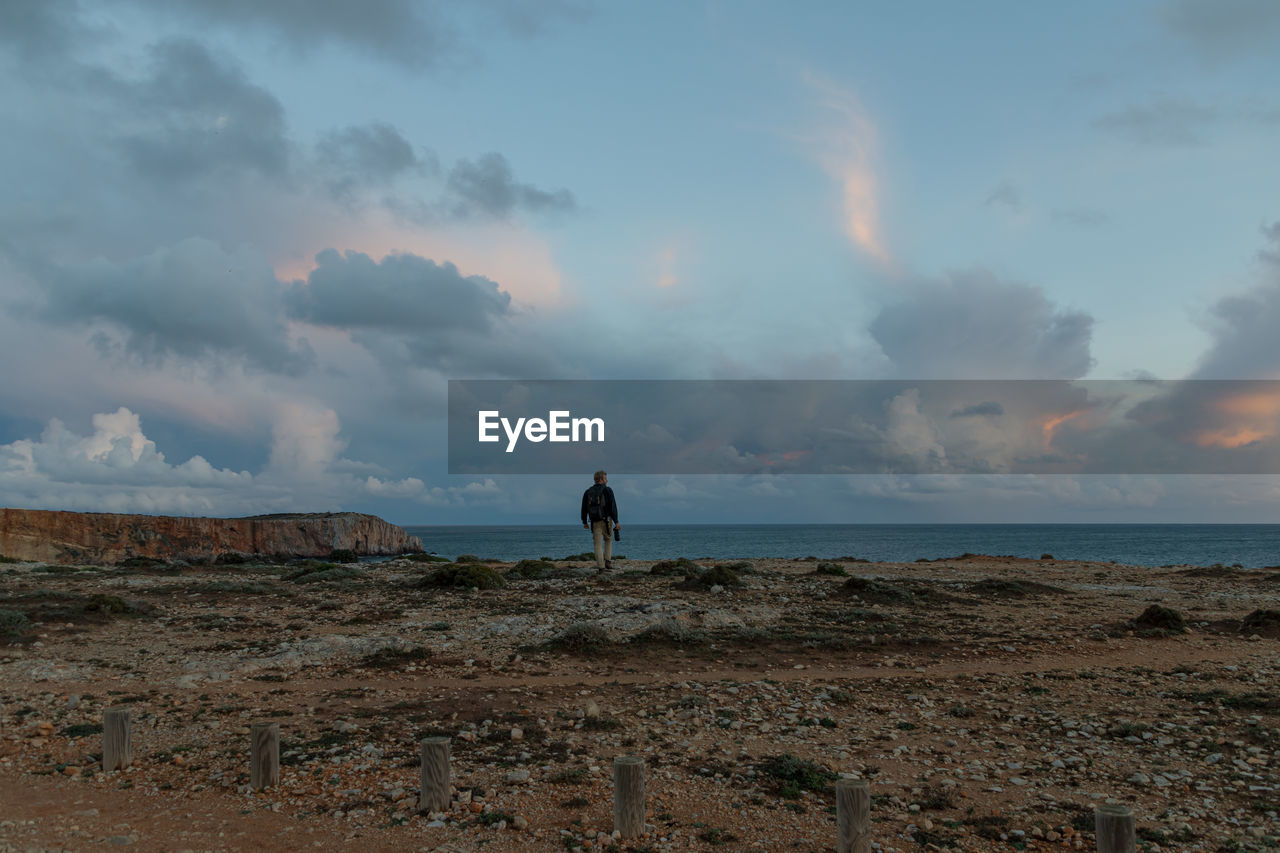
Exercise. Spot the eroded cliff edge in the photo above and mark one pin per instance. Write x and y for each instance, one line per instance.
(93, 537)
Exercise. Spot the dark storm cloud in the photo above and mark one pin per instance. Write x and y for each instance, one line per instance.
(400, 292)
(368, 155)
(1222, 29)
(1166, 123)
(487, 187)
(192, 301)
(198, 116)
(973, 325)
(987, 409)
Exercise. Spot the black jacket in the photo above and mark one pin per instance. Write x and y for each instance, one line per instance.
(610, 505)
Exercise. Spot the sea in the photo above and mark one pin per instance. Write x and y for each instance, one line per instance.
(1248, 545)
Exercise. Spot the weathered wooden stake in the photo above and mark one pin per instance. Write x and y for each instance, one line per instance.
(434, 796)
(628, 795)
(117, 741)
(264, 755)
(853, 816)
(1115, 828)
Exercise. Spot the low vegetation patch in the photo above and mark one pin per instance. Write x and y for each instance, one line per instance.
(467, 558)
(61, 570)
(426, 558)
(584, 557)
(530, 569)
(1265, 623)
(581, 637)
(231, 558)
(832, 569)
(714, 576)
(320, 572)
(791, 775)
(1003, 588)
(463, 576)
(4, 559)
(668, 631)
(395, 658)
(876, 591)
(343, 555)
(1160, 620)
(679, 567)
(13, 623)
(224, 587)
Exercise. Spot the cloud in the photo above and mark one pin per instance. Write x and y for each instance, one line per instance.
(191, 301)
(1005, 193)
(846, 148)
(40, 28)
(1224, 29)
(401, 292)
(972, 325)
(116, 468)
(987, 409)
(368, 155)
(1244, 325)
(198, 116)
(1080, 217)
(487, 187)
(414, 34)
(1166, 124)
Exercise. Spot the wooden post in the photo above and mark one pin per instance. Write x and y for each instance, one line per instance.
(1115, 829)
(853, 816)
(628, 795)
(117, 741)
(434, 796)
(264, 755)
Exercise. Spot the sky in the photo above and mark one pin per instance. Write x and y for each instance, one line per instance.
(243, 245)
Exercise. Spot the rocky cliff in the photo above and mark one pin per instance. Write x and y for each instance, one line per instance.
(92, 537)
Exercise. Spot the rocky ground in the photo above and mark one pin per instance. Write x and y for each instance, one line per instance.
(991, 702)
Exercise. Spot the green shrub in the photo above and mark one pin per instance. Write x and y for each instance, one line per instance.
(1261, 619)
(4, 559)
(875, 591)
(110, 604)
(833, 569)
(140, 563)
(744, 566)
(581, 637)
(714, 576)
(343, 555)
(464, 576)
(668, 631)
(427, 558)
(467, 558)
(680, 566)
(797, 774)
(584, 557)
(1161, 619)
(231, 558)
(997, 587)
(60, 570)
(530, 568)
(12, 623)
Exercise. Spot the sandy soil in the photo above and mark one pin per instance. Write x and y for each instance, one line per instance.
(991, 702)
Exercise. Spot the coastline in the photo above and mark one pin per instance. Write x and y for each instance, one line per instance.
(977, 703)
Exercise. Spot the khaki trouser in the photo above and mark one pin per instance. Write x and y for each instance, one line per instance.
(602, 540)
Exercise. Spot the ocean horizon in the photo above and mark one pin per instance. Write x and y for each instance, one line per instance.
(1248, 545)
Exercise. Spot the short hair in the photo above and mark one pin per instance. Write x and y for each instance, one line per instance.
(600, 475)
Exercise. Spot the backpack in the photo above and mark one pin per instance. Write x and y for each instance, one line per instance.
(597, 502)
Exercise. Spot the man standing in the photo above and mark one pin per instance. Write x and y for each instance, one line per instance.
(601, 510)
